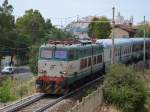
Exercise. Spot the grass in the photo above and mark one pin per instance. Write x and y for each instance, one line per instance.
(16, 89)
(24, 88)
(146, 78)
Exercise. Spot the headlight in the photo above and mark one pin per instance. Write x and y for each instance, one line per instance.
(63, 72)
(42, 71)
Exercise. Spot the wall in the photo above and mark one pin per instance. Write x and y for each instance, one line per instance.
(89, 103)
(119, 33)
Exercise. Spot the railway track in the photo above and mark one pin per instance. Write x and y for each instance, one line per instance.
(50, 104)
(39, 103)
(22, 103)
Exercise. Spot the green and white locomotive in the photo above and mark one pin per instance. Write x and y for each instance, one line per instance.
(64, 66)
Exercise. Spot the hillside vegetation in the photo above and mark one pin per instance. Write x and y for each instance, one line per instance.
(127, 89)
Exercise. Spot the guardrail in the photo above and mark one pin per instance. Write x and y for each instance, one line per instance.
(89, 103)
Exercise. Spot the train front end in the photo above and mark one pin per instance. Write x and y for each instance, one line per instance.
(52, 70)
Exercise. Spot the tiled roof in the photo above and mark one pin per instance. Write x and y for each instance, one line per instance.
(126, 28)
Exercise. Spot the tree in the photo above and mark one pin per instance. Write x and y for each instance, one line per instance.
(48, 26)
(7, 24)
(140, 30)
(124, 88)
(32, 24)
(99, 28)
(57, 34)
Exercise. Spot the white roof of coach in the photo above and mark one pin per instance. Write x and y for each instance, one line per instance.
(117, 42)
(137, 40)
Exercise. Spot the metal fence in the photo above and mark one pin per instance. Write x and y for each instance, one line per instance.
(89, 103)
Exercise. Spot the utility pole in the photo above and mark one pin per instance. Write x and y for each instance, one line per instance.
(113, 36)
(77, 18)
(61, 22)
(144, 41)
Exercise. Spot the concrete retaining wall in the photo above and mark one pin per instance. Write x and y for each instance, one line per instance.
(89, 103)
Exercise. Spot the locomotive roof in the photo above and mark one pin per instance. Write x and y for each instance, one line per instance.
(68, 46)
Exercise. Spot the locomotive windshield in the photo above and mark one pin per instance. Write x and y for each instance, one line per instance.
(46, 54)
(60, 54)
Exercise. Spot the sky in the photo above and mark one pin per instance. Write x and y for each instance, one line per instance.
(61, 12)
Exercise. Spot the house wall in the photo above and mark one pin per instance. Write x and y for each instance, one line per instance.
(119, 33)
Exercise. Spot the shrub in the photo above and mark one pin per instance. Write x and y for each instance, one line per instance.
(33, 62)
(6, 93)
(123, 88)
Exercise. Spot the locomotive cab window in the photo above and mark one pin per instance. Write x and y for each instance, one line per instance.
(46, 53)
(61, 54)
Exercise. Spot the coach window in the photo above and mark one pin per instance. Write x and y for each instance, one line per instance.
(94, 60)
(126, 50)
(99, 59)
(82, 64)
(118, 51)
(85, 63)
(89, 61)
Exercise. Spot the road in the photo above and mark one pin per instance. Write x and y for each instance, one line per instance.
(21, 72)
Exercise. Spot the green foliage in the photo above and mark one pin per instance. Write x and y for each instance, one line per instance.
(123, 88)
(99, 28)
(6, 91)
(33, 62)
(57, 34)
(31, 24)
(6, 24)
(140, 30)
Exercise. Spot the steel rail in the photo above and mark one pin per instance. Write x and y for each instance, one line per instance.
(22, 103)
(50, 104)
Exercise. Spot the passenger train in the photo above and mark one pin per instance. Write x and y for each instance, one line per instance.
(63, 66)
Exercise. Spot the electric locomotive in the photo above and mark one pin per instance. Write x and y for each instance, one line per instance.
(63, 65)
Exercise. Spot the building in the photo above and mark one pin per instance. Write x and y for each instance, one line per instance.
(123, 27)
(123, 31)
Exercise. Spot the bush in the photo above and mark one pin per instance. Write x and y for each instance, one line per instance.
(33, 62)
(6, 93)
(124, 89)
